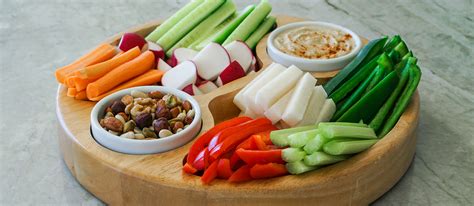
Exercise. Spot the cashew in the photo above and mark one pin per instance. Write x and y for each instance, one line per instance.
(164, 133)
(128, 135)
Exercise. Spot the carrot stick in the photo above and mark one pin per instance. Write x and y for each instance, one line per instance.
(101, 53)
(121, 74)
(120, 52)
(150, 77)
(96, 71)
(71, 92)
(81, 84)
(70, 82)
(81, 95)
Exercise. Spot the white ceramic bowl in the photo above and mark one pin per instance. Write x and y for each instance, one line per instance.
(134, 146)
(319, 65)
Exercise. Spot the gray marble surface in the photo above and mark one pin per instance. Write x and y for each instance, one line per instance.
(37, 36)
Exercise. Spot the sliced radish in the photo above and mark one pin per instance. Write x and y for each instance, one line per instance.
(192, 90)
(211, 61)
(240, 52)
(163, 66)
(253, 66)
(180, 76)
(157, 50)
(232, 72)
(130, 40)
(206, 86)
(183, 54)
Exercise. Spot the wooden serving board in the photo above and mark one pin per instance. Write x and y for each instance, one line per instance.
(122, 179)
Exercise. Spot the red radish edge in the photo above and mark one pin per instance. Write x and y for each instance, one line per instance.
(170, 77)
(157, 50)
(228, 59)
(130, 40)
(232, 72)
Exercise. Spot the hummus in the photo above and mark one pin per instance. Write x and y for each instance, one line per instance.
(314, 42)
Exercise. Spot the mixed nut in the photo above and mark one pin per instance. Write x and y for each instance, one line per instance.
(147, 116)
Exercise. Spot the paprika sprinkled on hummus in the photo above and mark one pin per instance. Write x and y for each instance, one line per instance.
(314, 42)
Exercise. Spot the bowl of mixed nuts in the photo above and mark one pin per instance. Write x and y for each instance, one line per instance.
(145, 120)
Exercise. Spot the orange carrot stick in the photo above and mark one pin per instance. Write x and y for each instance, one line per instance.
(120, 52)
(121, 74)
(71, 92)
(70, 82)
(81, 95)
(101, 53)
(96, 71)
(151, 77)
(81, 84)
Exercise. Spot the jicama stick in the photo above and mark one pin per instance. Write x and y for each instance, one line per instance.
(101, 53)
(121, 74)
(148, 78)
(96, 71)
(81, 95)
(71, 92)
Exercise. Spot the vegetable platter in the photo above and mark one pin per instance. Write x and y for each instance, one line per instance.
(158, 179)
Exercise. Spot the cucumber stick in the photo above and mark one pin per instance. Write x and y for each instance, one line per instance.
(338, 132)
(262, 29)
(321, 158)
(218, 16)
(299, 167)
(171, 21)
(224, 33)
(292, 154)
(250, 23)
(204, 40)
(280, 137)
(345, 146)
(188, 23)
(300, 139)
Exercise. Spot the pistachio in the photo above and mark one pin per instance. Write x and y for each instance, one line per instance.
(143, 120)
(127, 99)
(109, 114)
(177, 125)
(137, 130)
(163, 112)
(125, 116)
(171, 101)
(164, 133)
(139, 136)
(181, 116)
(136, 94)
(160, 124)
(156, 95)
(112, 132)
(120, 118)
(191, 113)
(174, 112)
(129, 126)
(113, 124)
(117, 107)
(148, 133)
(187, 105)
(179, 130)
(128, 135)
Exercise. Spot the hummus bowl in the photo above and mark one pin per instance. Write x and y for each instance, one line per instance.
(316, 64)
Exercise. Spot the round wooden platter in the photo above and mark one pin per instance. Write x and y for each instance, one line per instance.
(122, 179)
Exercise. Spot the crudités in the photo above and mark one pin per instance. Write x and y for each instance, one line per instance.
(313, 42)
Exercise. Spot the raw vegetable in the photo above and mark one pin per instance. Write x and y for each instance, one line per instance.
(131, 40)
(250, 23)
(327, 111)
(240, 52)
(315, 144)
(186, 24)
(315, 105)
(206, 86)
(298, 140)
(210, 173)
(261, 30)
(231, 131)
(232, 72)
(180, 55)
(163, 66)
(280, 137)
(275, 112)
(121, 74)
(241, 175)
(394, 41)
(367, 53)
(299, 167)
(82, 95)
(262, 171)
(299, 100)
(211, 61)
(173, 20)
(252, 157)
(384, 67)
(342, 147)
(225, 32)
(81, 84)
(341, 132)
(188, 168)
(180, 76)
(321, 158)
(240, 98)
(293, 154)
(223, 169)
(206, 39)
(71, 92)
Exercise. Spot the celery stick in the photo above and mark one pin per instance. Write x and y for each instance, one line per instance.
(262, 29)
(171, 21)
(224, 33)
(315, 144)
(218, 16)
(280, 137)
(338, 132)
(300, 139)
(345, 146)
(188, 23)
(299, 167)
(321, 158)
(243, 31)
(352, 124)
(292, 154)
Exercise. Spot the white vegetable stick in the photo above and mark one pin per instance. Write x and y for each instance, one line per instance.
(327, 111)
(276, 110)
(316, 102)
(277, 88)
(296, 108)
(249, 113)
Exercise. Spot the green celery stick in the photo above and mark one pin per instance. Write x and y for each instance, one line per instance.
(299, 167)
(315, 144)
(224, 33)
(171, 21)
(292, 154)
(321, 158)
(261, 31)
(339, 132)
(352, 124)
(347, 146)
(299, 139)
(280, 137)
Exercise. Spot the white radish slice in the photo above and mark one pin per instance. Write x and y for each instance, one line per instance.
(180, 76)
(240, 52)
(192, 90)
(156, 49)
(316, 102)
(130, 40)
(211, 61)
(296, 108)
(276, 110)
(239, 99)
(207, 86)
(277, 88)
(183, 54)
(163, 66)
(327, 111)
(274, 70)
(232, 72)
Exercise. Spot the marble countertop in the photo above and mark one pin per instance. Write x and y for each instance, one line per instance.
(38, 36)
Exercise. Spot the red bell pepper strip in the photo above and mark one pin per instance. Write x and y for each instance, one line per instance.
(262, 171)
(249, 143)
(223, 169)
(210, 173)
(203, 140)
(202, 160)
(257, 139)
(188, 168)
(266, 136)
(235, 161)
(241, 175)
(222, 135)
(252, 157)
(235, 139)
